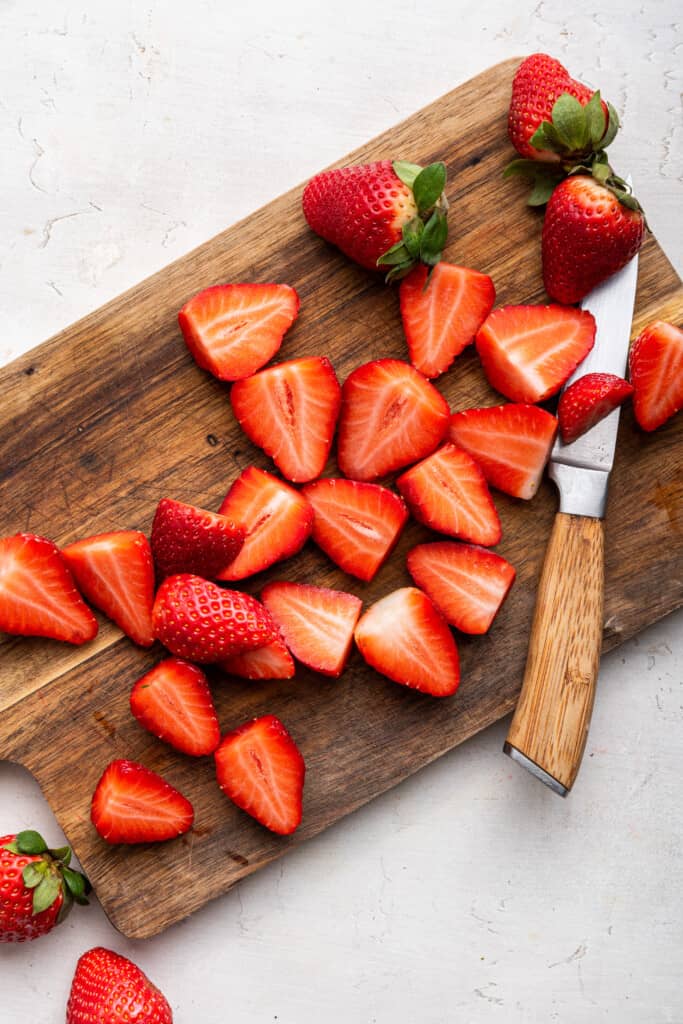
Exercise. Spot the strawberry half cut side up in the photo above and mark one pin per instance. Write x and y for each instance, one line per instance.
(232, 330)
(132, 804)
(656, 372)
(174, 703)
(189, 539)
(587, 401)
(270, 662)
(110, 989)
(259, 767)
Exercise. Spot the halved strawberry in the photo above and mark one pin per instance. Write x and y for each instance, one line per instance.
(132, 804)
(447, 492)
(656, 372)
(587, 401)
(189, 539)
(232, 330)
(391, 416)
(468, 584)
(260, 768)
(173, 701)
(114, 572)
(442, 315)
(316, 623)
(37, 592)
(278, 521)
(290, 410)
(511, 443)
(529, 351)
(356, 524)
(404, 637)
(270, 662)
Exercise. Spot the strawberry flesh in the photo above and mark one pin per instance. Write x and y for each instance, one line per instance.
(270, 662)
(587, 401)
(132, 804)
(174, 703)
(189, 539)
(656, 372)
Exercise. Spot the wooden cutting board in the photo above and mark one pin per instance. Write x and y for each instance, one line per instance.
(112, 414)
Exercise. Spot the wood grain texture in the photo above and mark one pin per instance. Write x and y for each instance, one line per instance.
(112, 414)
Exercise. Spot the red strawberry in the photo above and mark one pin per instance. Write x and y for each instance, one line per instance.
(114, 572)
(290, 410)
(467, 584)
(587, 401)
(173, 702)
(511, 444)
(277, 519)
(109, 989)
(405, 638)
(442, 314)
(317, 623)
(529, 351)
(656, 372)
(391, 416)
(190, 539)
(200, 621)
(356, 524)
(381, 214)
(588, 234)
(37, 886)
(447, 492)
(37, 592)
(270, 662)
(232, 330)
(259, 767)
(132, 804)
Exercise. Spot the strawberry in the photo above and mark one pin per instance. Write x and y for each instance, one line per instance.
(198, 620)
(391, 416)
(442, 312)
(37, 886)
(529, 351)
(277, 519)
(592, 228)
(656, 372)
(259, 767)
(356, 524)
(232, 330)
(110, 989)
(405, 638)
(447, 492)
(385, 214)
(270, 662)
(511, 443)
(290, 410)
(317, 624)
(190, 539)
(132, 804)
(114, 572)
(468, 584)
(37, 592)
(173, 702)
(587, 401)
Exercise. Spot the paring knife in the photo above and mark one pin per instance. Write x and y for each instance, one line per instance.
(550, 725)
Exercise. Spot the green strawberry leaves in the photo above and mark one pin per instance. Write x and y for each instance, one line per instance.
(424, 236)
(50, 874)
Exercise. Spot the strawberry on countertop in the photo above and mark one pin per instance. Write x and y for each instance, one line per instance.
(190, 539)
(587, 401)
(656, 372)
(110, 989)
(132, 804)
(174, 703)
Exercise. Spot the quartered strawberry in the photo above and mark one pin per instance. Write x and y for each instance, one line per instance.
(110, 989)
(277, 520)
(511, 443)
(447, 492)
(391, 416)
(174, 703)
(529, 351)
(232, 330)
(270, 662)
(114, 571)
(656, 372)
(316, 623)
(587, 401)
(290, 411)
(259, 767)
(132, 804)
(200, 621)
(468, 584)
(442, 314)
(405, 638)
(37, 592)
(356, 524)
(189, 539)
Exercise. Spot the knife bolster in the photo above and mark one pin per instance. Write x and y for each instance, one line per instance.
(583, 492)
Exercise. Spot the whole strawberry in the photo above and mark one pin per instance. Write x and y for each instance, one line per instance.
(37, 886)
(110, 989)
(384, 214)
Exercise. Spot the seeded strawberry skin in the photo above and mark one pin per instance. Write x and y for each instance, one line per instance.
(587, 401)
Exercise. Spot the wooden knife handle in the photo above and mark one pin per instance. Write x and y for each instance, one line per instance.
(550, 725)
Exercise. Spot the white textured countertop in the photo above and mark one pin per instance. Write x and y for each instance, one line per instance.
(470, 894)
